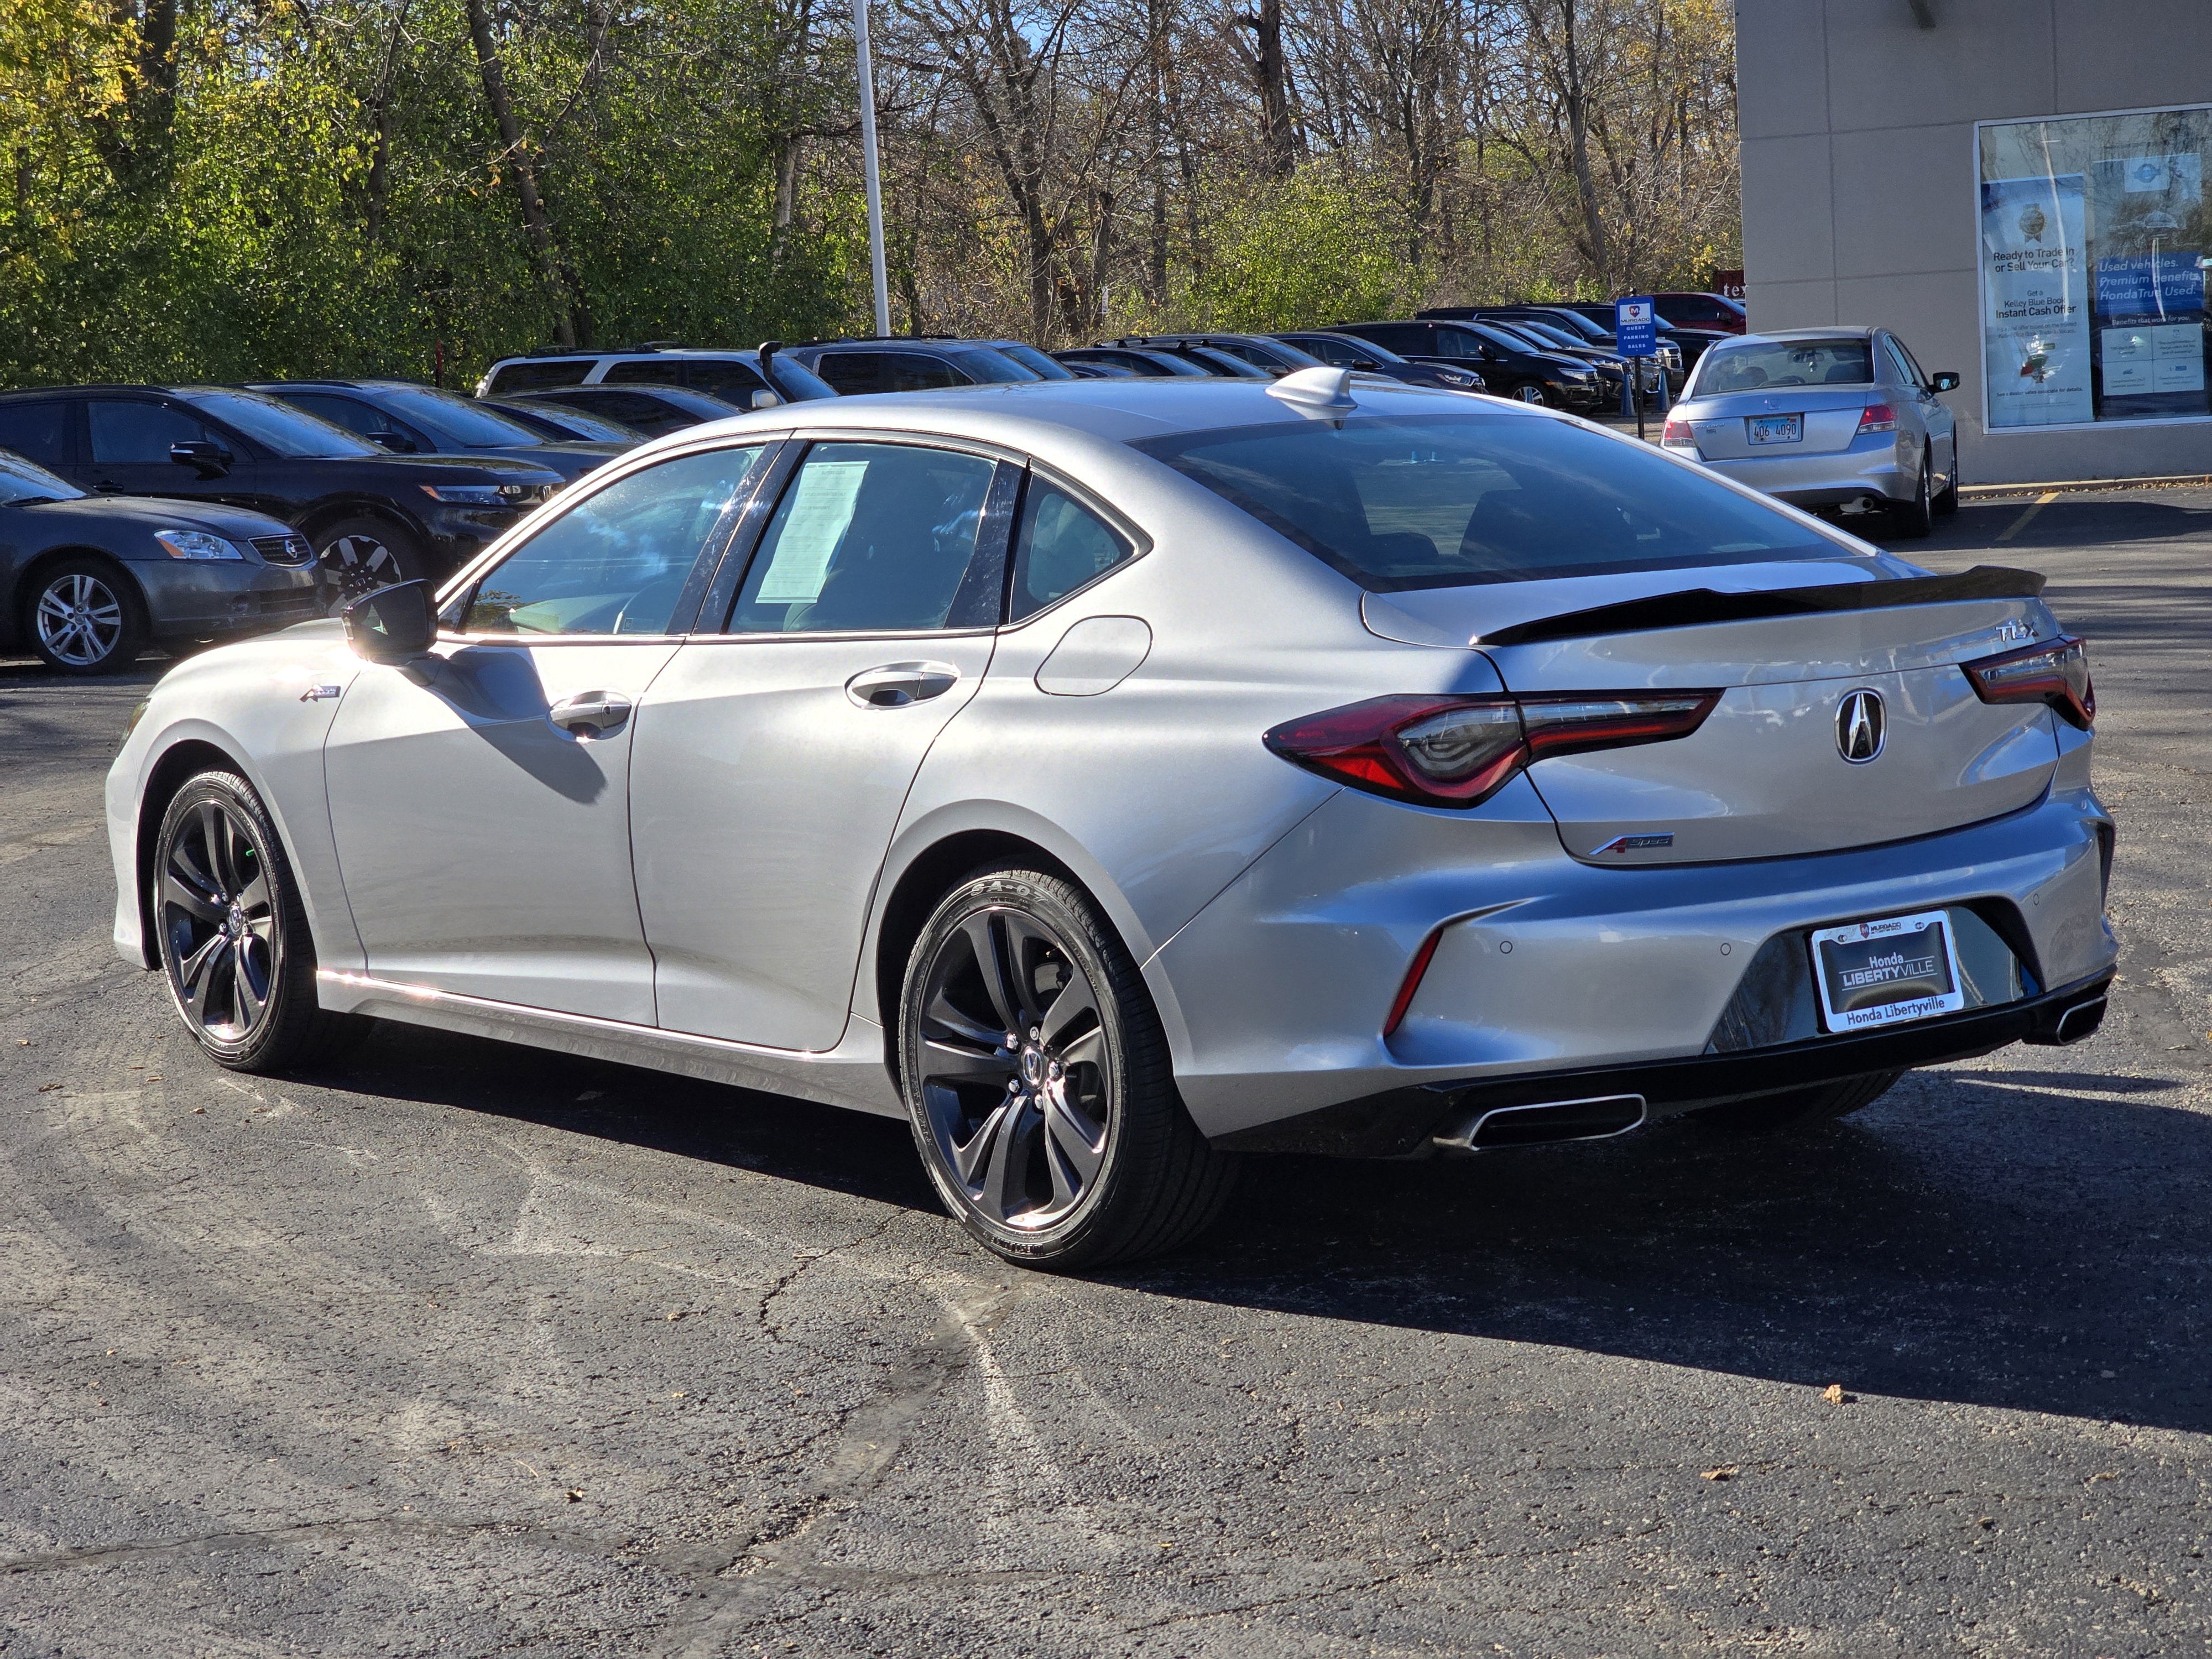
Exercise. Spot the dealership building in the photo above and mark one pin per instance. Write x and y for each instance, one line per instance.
(2017, 187)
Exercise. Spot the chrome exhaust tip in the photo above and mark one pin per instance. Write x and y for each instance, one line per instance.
(1545, 1123)
(2073, 1024)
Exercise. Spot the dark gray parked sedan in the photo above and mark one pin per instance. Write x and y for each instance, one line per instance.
(89, 579)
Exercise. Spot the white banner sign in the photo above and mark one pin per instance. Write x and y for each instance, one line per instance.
(2035, 285)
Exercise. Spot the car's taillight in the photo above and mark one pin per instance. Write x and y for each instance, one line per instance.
(1676, 435)
(1457, 752)
(1877, 417)
(2055, 671)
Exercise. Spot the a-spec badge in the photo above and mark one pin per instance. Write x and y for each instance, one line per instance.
(317, 693)
(1862, 727)
(1638, 843)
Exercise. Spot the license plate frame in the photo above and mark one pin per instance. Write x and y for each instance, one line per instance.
(1891, 970)
(1774, 428)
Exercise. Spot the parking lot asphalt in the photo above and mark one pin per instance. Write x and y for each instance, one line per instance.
(462, 1349)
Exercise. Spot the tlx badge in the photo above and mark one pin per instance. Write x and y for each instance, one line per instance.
(1862, 725)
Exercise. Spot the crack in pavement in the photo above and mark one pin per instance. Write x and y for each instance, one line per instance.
(869, 1437)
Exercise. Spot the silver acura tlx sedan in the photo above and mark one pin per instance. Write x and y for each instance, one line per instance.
(1111, 777)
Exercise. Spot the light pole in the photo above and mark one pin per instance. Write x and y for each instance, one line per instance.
(868, 166)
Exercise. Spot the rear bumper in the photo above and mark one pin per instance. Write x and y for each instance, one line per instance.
(1276, 993)
(1867, 468)
(1403, 1123)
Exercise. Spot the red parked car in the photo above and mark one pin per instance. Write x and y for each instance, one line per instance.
(1708, 311)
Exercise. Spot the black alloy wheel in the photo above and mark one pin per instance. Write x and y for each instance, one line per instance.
(1037, 1081)
(232, 935)
(358, 557)
(84, 618)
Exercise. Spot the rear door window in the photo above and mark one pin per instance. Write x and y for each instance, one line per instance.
(851, 371)
(918, 371)
(650, 371)
(1407, 339)
(735, 381)
(38, 432)
(869, 539)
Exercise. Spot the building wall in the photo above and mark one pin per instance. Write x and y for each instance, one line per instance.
(1860, 179)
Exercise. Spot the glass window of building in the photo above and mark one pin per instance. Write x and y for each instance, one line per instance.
(2095, 245)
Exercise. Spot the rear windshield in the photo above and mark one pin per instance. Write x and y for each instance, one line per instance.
(1446, 501)
(1766, 363)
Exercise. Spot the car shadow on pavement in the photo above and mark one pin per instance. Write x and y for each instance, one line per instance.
(2035, 1241)
(2032, 1240)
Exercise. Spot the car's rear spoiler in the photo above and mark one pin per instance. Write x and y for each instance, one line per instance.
(1694, 607)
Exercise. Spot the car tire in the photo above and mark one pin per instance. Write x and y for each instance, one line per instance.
(358, 556)
(1917, 517)
(1529, 391)
(83, 615)
(1799, 1108)
(232, 933)
(1066, 1146)
(1948, 502)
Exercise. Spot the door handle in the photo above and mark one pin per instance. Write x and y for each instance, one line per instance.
(901, 685)
(590, 713)
(105, 488)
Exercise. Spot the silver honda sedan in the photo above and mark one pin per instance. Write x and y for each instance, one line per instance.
(1825, 418)
(1111, 778)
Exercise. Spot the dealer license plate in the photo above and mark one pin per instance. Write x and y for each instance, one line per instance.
(1886, 972)
(1776, 429)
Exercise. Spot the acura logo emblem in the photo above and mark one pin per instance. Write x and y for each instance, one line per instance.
(1862, 724)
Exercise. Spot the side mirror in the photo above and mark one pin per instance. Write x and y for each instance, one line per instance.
(1945, 381)
(1365, 363)
(394, 624)
(765, 399)
(209, 460)
(393, 441)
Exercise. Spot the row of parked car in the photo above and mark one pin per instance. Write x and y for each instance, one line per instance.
(131, 513)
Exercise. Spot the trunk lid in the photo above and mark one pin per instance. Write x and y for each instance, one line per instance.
(1765, 775)
(1829, 420)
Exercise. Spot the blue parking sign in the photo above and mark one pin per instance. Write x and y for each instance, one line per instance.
(1635, 329)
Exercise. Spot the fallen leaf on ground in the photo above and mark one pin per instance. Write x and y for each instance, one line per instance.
(1722, 1474)
(575, 1495)
(48, 1088)
(199, 1111)
(1834, 1394)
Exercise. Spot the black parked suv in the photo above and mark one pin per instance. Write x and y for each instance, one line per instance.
(371, 517)
(408, 419)
(1350, 351)
(1510, 367)
(908, 362)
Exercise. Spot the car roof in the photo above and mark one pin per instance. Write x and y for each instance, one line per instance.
(1036, 415)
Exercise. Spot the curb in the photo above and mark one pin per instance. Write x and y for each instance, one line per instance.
(2078, 486)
